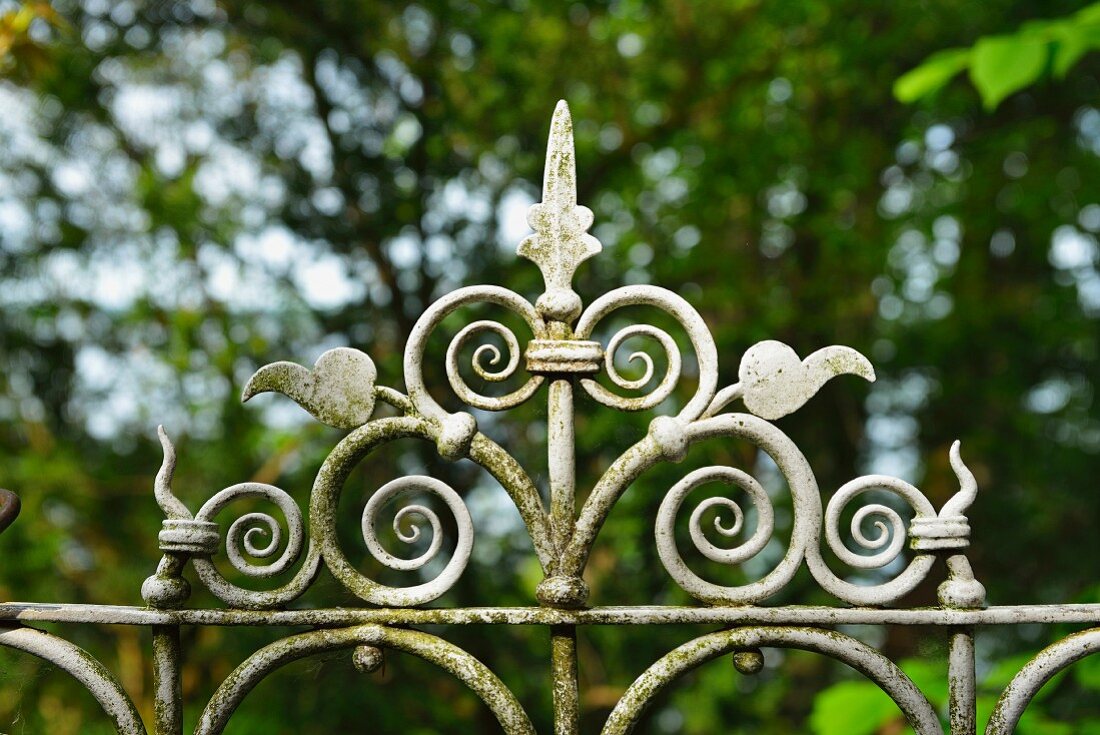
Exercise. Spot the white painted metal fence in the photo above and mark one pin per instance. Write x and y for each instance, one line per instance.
(342, 390)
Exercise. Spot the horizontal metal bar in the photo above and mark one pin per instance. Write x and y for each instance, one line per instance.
(745, 615)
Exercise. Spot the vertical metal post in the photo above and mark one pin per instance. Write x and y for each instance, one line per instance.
(563, 671)
(561, 464)
(167, 690)
(561, 461)
(960, 678)
(961, 590)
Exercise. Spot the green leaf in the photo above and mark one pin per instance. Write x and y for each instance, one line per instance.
(1002, 65)
(936, 71)
(1089, 14)
(1067, 52)
(1075, 40)
(852, 708)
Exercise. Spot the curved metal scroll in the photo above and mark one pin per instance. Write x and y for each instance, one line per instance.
(243, 534)
(434, 315)
(864, 659)
(326, 497)
(80, 665)
(674, 305)
(669, 439)
(474, 674)
(1037, 672)
(807, 510)
(197, 537)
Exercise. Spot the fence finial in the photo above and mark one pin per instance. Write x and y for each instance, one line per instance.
(561, 241)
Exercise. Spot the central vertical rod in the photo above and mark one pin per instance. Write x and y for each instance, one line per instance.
(167, 692)
(961, 591)
(961, 683)
(562, 470)
(563, 673)
(561, 460)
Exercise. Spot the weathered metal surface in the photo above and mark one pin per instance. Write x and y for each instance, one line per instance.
(447, 656)
(563, 675)
(961, 690)
(776, 383)
(32, 612)
(339, 390)
(861, 657)
(80, 665)
(1037, 672)
(167, 680)
(561, 241)
(567, 351)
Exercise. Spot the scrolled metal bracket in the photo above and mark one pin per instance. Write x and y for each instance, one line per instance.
(568, 350)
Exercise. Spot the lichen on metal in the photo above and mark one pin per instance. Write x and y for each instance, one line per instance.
(567, 352)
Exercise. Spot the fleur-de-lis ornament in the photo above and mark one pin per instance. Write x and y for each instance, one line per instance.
(561, 241)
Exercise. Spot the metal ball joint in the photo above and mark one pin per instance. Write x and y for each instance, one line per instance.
(367, 659)
(748, 662)
(569, 593)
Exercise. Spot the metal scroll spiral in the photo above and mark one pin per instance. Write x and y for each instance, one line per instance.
(805, 525)
(408, 531)
(409, 522)
(258, 536)
(663, 389)
(886, 541)
(247, 534)
(680, 310)
(889, 536)
(485, 356)
(728, 523)
(885, 537)
(731, 476)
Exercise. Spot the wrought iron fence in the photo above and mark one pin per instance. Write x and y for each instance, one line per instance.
(342, 390)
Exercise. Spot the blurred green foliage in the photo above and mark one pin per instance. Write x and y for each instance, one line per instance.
(1003, 64)
(189, 190)
(853, 707)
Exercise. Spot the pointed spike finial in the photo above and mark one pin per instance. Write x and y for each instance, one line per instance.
(561, 241)
(559, 179)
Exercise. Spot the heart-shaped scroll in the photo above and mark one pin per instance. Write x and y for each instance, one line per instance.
(776, 383)
(339, 391)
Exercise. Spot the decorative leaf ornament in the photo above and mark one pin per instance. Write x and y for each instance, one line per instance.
(776, 383)
(339, 391)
